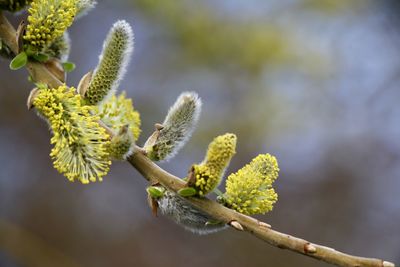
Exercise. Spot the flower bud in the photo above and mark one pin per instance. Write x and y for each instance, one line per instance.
(47, 21)
(208, 174)
(113, 61)
(249, 190)
(186, 215)
(176, 129)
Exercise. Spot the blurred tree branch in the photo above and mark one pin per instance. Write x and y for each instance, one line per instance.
(154, 173)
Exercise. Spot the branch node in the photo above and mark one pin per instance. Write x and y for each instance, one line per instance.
(264, 225)
(309, 248)
(236, 225)
(54, 67)
(388, 264)
(143, 152)
(158, 126)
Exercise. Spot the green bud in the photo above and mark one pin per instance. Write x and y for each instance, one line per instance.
(68, 66)
(155, 191)
(187, 192)
(19, 61)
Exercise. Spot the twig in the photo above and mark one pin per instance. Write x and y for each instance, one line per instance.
(154, 173)
(38, 71)
(8, 33)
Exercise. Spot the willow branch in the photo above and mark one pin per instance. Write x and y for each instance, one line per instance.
(38, 71)
(155, 174)
(8, 33)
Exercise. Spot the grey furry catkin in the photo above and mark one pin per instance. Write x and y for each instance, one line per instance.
(184, 214)
(176, 129)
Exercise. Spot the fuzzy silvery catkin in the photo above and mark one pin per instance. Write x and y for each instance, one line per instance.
(184, 214)
(84, 6)
(176, 129)
(113, 61)
(249, 190)
(208, 174)
(14, 5)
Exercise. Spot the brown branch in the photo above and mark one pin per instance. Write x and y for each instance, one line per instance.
(154, 173)
(38, 71)
(8, 33)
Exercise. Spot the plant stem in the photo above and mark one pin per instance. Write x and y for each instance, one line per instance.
(155, 174)
(38, 71)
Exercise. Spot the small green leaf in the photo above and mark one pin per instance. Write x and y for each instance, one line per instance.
(187, 192)
(41, 57)
(213, 222)
(19, 61)
(154, 192)
(221, 199)
(68, 66)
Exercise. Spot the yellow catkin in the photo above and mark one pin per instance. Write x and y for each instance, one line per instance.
(118, 111)
(47, 21)
(122, 144)
(209, 173)
(80, 149)
(249, 190)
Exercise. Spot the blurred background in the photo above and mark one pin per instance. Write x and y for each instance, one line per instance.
(313, 82)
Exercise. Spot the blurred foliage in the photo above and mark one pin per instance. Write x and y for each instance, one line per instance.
(241, 51)
(215, 41)
(332, 6)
